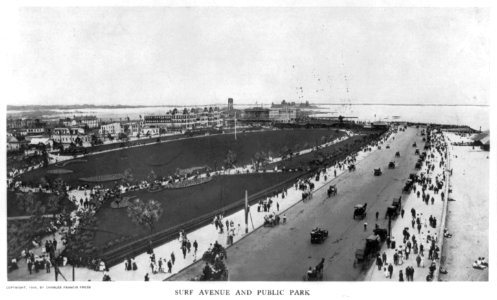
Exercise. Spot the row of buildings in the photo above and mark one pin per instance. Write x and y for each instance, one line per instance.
(89, 130)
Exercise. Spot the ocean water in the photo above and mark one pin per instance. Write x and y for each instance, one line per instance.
(473, 116)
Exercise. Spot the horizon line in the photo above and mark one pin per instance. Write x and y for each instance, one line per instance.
(13, 107)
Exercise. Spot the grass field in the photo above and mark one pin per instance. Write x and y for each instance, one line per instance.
(165, 158)
(182, 205)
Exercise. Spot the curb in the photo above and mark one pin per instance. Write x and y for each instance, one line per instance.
(441, 240)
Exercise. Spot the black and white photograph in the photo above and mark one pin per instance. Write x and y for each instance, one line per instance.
(253, 143)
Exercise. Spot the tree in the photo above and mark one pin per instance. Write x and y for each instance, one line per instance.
(145, 213)
(128, 176)
(78, 141)
(45, 158)
(122, 136)
(261, 158)
(151, 177)
(230, 159)
(25, 202)
(59, 186)
(79, 243)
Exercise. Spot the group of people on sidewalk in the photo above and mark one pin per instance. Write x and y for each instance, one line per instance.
(412, 247)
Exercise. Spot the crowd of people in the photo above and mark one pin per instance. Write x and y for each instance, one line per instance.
(421, 245)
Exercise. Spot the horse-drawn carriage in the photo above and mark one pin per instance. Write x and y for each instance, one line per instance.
(318, 235)
(394, 210)
(381, 232)
(315, 274)
(370, 250)
(360, 211)
(351, 167)
(391, 165)
(408, 186)
(332, 191)
(377, 172)
(397, 154)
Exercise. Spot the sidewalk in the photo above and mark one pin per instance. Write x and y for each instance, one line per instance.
(423, 211)
(204, 237)
(468, 214)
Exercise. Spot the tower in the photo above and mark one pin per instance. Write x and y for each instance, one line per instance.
(230, 104)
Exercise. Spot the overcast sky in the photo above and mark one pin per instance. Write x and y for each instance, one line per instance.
(205, 55)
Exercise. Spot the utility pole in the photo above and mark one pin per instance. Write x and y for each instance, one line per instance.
(246, 212)
(235, 125)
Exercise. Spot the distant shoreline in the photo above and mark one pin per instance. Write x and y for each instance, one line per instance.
(89, 106)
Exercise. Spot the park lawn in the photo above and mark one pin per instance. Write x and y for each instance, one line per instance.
(166, 158)
(183, 205)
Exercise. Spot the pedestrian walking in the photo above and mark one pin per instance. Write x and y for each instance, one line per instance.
(169, 266)
(277, 206)
(390, 270)
(30, 266)
(377, 215)
(365, 226)
(379, 262)
(173, 257)
(146, 277)
(418, 260)
(183, 249)
(402, 213)
(195, 246)
(384, 258)
(401, 275)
